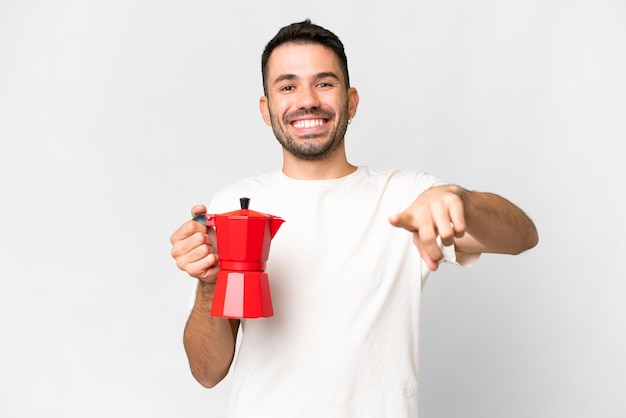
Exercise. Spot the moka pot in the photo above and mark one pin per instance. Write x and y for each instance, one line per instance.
(244, 236)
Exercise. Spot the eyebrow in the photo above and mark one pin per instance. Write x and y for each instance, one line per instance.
(324, 74)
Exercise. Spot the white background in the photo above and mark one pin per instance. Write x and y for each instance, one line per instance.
(117, 116)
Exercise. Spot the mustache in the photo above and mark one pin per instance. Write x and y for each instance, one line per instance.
(320, 113)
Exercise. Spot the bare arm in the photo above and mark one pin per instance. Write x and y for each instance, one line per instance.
(494, 225)
(475, 222)
(209, 342)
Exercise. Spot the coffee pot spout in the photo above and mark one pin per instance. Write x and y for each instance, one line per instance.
(275, 223)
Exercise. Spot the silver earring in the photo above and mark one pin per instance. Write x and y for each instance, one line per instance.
(349, 121)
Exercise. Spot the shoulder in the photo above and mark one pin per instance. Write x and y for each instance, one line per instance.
(417, 180)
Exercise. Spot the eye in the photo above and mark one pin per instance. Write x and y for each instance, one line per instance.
(324, 84)
(287, 88)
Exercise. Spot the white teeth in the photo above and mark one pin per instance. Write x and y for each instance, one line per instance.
(308, 123)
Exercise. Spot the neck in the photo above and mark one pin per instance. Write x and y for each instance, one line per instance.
(333, 167)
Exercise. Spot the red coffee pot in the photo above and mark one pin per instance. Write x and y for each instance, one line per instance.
(242, 288)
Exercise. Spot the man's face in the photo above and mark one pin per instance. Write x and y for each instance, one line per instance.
(308, 103)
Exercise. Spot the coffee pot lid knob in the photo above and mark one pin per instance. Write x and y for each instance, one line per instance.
(244, 202)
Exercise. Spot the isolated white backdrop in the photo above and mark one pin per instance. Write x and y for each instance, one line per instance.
(117, 116)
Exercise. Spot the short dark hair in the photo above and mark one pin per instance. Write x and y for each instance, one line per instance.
(306, 33)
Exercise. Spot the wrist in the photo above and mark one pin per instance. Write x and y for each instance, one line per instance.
(205, 293)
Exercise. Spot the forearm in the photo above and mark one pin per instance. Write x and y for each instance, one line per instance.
(209, 342)
(495, 225)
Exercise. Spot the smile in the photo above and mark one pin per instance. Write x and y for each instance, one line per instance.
(308, 123)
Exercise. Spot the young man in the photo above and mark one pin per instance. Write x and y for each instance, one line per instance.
(347, 267)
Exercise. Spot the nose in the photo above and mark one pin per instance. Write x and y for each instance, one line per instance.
(307, 98)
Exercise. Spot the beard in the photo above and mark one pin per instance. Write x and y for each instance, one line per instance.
(310, 148)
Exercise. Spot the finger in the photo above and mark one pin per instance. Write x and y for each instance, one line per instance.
(444, 227)
(195, 260)
(424, 235)
(431, 263)
(457, 217)
(425, 238)
(204, 269)
(196, 247)
(186, 230)
(183, 242)
(403, 220)
(198, 209)
(189, 252)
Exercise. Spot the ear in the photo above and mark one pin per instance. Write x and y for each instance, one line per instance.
(353, 101)
(265, 110)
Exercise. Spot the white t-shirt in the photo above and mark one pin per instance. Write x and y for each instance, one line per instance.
(346, 286)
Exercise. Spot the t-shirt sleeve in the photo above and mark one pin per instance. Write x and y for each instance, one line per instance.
(450, 255)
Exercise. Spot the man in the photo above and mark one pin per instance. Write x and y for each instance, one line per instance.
(348, 265)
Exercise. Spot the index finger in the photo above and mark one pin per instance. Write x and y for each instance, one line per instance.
(403, 220)
(186, 230)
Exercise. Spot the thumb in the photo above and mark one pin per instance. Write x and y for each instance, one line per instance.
(198, 214)
(198, 209)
